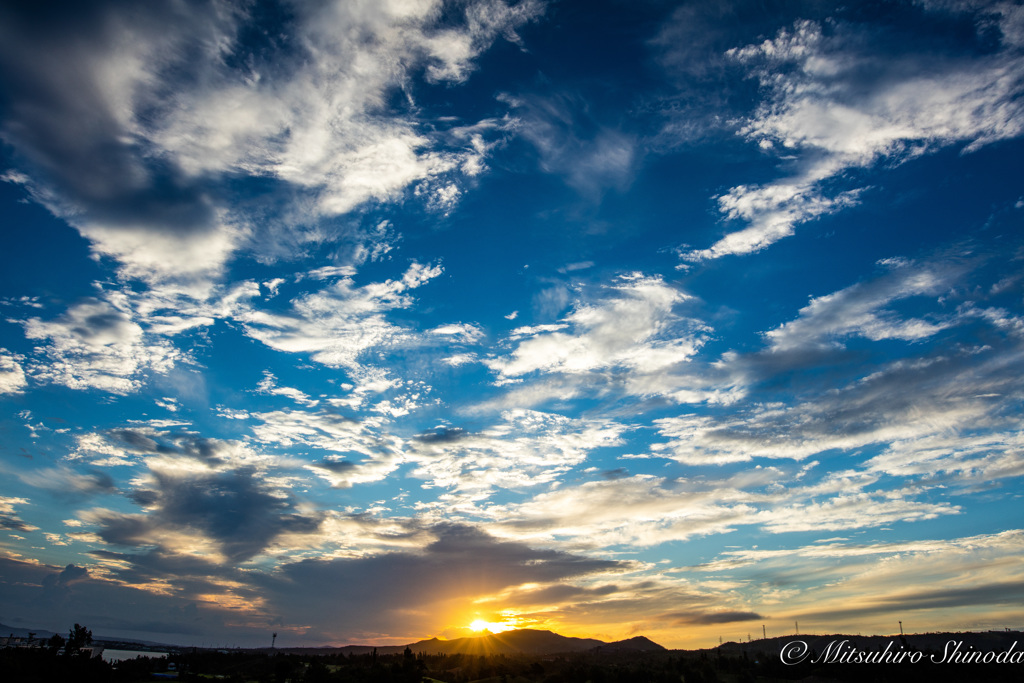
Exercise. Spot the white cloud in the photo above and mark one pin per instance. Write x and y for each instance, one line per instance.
(149, 115)
(968, 460)
(319, 120)
(89, 155)
(633, 329)
(645, 510)
(525, 449)
(773, 212)
(940, 580)
(869, 364)
(462, 332)
(327, 273)
(458, 359)
(572, 267)
(1006, 541)
(157, 257)
(335, 325)
(824, 110)
(850, 511)
(443, 199)
(268, 385)
(99, 451)
(859, 310)
(378, 453)
(900, 401)
(115, 340)
(273, 285)
(169, 403)
(97, 344)
(12, 376)
(640, 510)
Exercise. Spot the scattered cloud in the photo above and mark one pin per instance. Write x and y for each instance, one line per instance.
(65, 481)
(525, 449)
(268, 385)
(840, 99)
(858, 310)
(97, 344)
(843, 402)
(641, 510)
(8, 517)
(165, 102)
(335, 325)
(216, 516)
(464, 332)
(847, 569)
(12, 376)
(630, 329)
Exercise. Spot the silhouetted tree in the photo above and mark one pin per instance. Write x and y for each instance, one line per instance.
(78, 637)
(55, 642)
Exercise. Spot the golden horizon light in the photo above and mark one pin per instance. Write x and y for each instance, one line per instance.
(492, 626)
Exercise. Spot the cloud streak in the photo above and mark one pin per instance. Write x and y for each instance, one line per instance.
(838, 100)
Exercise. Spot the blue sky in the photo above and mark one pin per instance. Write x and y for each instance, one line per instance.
(363, 321)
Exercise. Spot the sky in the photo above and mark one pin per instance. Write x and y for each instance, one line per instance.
(368, 320)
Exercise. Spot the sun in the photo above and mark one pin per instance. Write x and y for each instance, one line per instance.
(492, 626)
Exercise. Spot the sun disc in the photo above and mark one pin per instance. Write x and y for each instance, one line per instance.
(492, 626)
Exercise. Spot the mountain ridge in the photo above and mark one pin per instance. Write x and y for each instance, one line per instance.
(520, 641)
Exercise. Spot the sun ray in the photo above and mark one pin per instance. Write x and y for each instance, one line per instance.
(491, 626)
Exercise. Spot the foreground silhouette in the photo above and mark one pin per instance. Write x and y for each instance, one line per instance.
(634, 661)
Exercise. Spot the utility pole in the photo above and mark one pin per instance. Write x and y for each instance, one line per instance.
(273, 640)
(764, 634)
(796, 625)
(901, 628)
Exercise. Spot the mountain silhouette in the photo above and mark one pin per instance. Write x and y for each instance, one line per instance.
(523, 641)
(636, 644)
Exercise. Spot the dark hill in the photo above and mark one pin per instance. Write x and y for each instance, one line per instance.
(524, 641)
(637, 644)
(17, 632)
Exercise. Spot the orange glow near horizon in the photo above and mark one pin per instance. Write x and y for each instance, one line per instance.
(492, 626)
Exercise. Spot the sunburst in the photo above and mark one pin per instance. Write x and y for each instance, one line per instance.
(491, 626)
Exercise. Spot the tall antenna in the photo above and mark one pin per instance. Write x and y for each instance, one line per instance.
(796, 625)
(764, 634)
(273, 640)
